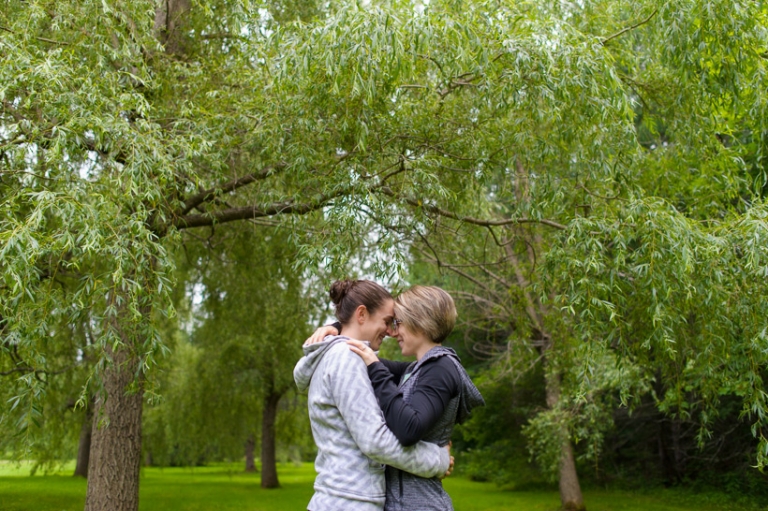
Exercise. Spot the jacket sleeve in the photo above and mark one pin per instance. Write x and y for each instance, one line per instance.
(438, 384)
(396, 368)
(357, 404)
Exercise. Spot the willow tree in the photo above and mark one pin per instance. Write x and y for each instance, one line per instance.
(46, 430)
(671, 273)
(124, 123)
(647, 240)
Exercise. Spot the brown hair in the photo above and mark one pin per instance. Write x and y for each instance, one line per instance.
(348, 295)
(428, 310)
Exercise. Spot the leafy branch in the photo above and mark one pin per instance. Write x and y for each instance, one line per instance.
(288, 207)
(210, 194)
(471, 220)
(43, 39)
(627, 29)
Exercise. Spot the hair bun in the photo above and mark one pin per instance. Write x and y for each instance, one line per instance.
(347, 295)
(339, 290)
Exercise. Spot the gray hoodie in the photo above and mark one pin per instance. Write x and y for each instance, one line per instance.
(353, 441)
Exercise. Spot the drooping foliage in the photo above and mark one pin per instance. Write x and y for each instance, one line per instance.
(256, 306)
(617, 148)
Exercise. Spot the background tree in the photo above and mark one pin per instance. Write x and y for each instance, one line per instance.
(677, 258)
(257, 309)
(50, 428)
(583, 180)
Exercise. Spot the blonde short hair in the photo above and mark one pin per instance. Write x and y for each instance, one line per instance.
(428, 310)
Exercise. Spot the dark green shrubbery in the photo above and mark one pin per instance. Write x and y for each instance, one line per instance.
(490, 445)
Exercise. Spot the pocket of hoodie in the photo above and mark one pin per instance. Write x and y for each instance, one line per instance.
(376, 471)
(375, 466)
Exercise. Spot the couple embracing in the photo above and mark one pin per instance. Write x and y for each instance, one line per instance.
(383, 428)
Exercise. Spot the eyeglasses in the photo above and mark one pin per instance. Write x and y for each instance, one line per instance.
(394, 324)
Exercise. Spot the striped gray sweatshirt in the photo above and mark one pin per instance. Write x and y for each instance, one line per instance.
(353, 441)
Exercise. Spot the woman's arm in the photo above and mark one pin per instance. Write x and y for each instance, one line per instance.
(347, 384)
(396, 368)
(320, 334)
(369, 357)
(438, 384)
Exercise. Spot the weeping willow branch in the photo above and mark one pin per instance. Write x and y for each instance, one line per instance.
(471, 220)
(627, 29)
(210, 194)
(43, 39)
(289, 207)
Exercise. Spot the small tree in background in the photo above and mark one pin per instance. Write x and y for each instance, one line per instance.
(224, 388)
(257, 308)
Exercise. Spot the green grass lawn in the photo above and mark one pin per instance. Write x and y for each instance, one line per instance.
(225, 487)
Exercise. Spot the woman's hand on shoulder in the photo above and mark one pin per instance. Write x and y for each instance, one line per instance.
(362, 349)
(320, 334)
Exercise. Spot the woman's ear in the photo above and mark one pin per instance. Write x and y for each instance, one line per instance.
(361, 314)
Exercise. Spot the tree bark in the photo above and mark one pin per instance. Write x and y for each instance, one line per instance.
(570, 489)
(169, 19)
(84, 445)
(250, 448)
(113, 474)
(268, 458)
(678, 449)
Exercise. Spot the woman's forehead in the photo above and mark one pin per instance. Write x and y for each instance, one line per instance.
(387, 308)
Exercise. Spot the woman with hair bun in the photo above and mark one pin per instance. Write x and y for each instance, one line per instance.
(353, 441)
(421, 400)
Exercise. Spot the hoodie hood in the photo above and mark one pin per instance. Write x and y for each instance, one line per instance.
(313, 354)
(469, 395)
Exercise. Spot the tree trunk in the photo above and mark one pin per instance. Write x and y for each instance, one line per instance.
(570, 490)
(250, 448)
(268, 459)
(678, 449)
(169, 18)
(84, 445)
(113, 474)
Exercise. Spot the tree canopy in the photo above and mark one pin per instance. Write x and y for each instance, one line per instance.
(616, 147)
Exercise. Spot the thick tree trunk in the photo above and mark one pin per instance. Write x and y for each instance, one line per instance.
(570, 490)
(84, 445)
(250, 448)
(113, 475)
(268, 458)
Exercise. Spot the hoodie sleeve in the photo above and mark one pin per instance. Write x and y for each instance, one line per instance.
(357, 404)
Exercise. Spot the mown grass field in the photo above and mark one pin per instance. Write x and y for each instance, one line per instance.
(224, 487)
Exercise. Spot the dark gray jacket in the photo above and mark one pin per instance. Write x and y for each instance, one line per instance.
(409, 492)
